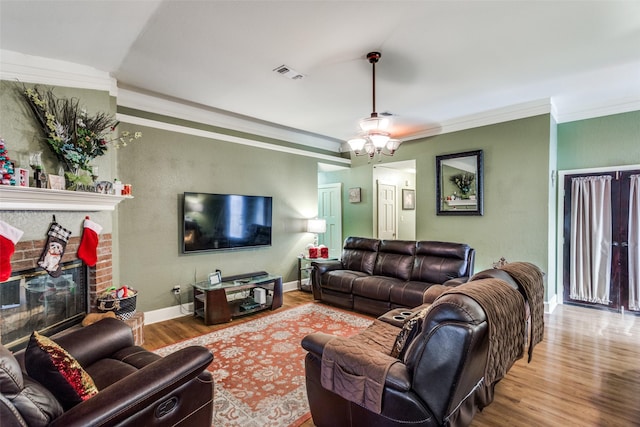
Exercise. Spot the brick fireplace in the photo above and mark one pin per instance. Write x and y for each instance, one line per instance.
(99, 277)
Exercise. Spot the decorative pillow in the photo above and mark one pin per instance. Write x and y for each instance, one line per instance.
(411, 328)
(54, 368)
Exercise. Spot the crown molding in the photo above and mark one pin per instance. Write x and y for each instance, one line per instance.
(209, 116)
(134, 120)
(490, 117)
(618, 106)
(39, 70)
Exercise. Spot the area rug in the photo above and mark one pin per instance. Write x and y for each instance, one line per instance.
(258, 365)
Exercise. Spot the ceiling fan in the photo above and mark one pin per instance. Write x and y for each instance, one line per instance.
(375, 137)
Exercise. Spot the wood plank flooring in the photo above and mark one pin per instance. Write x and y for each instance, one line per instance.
(586, 372)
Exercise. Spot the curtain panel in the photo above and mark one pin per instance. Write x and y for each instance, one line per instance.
(591, 236)
(633, 241)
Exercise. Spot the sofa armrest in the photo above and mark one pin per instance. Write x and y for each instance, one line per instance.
(397, 377)
(130, 395)
(96, 341)
(317, 270)
(457, 281)
(315, 343)
(324, 266)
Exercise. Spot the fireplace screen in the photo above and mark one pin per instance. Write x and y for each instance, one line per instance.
(34, 301)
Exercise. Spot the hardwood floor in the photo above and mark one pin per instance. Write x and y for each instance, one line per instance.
(586, 372)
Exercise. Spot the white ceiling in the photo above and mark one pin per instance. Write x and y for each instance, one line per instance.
(441, 60)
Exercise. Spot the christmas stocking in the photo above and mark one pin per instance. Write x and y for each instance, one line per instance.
(51, 258)
(88, 250)
(9, 236)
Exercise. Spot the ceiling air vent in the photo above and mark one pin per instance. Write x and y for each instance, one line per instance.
(287, 72)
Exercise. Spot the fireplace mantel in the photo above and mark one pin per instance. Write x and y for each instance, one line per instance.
(42, 199)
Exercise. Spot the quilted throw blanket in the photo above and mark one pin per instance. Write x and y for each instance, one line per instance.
(355, 368)
(529, 276)
(506, 316)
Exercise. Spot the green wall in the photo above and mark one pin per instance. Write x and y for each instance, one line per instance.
(165, 164)
(19, 130)
(516, 181)
(601, 142)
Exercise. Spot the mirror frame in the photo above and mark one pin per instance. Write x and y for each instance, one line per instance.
(440, 198)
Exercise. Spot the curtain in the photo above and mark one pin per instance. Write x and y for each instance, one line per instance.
(634, 240)
(590, 266)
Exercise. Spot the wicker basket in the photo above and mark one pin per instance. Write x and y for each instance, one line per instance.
(123, 308)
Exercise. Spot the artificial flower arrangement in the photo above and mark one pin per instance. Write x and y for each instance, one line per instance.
(463, 181)
(74, 136)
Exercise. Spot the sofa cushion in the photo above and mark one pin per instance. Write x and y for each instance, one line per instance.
(395, 259)
(359, 254)
(11, 379)
(409, 294)
(107, 371)
(36, 405)
(58, 371)
(341, 280)
(375, 287)
(437, 262)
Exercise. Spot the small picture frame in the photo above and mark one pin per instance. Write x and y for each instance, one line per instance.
(56, 182)
(215, 278)
(103, 187)
(355, 195)
(408, 199)
(22, 177)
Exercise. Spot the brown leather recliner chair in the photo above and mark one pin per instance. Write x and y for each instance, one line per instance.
(441, 379)
(135, 386)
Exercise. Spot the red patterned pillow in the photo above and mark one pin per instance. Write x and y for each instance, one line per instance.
(54, 368)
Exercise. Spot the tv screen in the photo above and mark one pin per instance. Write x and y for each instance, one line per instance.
(225, 221)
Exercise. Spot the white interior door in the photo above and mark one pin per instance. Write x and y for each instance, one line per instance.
(330, 209)
(386, 211)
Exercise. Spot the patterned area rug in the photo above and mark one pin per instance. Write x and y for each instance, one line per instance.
(258, 366)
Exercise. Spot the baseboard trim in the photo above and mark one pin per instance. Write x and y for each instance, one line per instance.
(551, 305)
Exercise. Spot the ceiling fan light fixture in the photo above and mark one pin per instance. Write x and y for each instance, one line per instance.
(375, 138)
(357, 144)
(379, 139)
(374, 123)
(393, 144)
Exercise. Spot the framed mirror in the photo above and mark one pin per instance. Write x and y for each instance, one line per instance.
(459, 183)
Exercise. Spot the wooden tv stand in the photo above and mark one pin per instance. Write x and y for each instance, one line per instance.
(234, 296)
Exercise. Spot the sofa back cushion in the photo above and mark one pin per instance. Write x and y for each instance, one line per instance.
(35, 404)
(437, 262)
(359, 254)
(395, 259)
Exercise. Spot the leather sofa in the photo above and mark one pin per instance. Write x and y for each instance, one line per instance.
(467, 340)
(135, 386)
(374, 276)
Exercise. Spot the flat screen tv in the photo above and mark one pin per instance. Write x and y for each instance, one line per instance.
(225, 221)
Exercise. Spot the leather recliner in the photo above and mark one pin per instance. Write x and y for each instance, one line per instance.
(449, 369)
(135, 386)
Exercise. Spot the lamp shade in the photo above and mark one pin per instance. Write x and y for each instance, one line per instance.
(316, 226)
(379, 139)
(357, 144)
